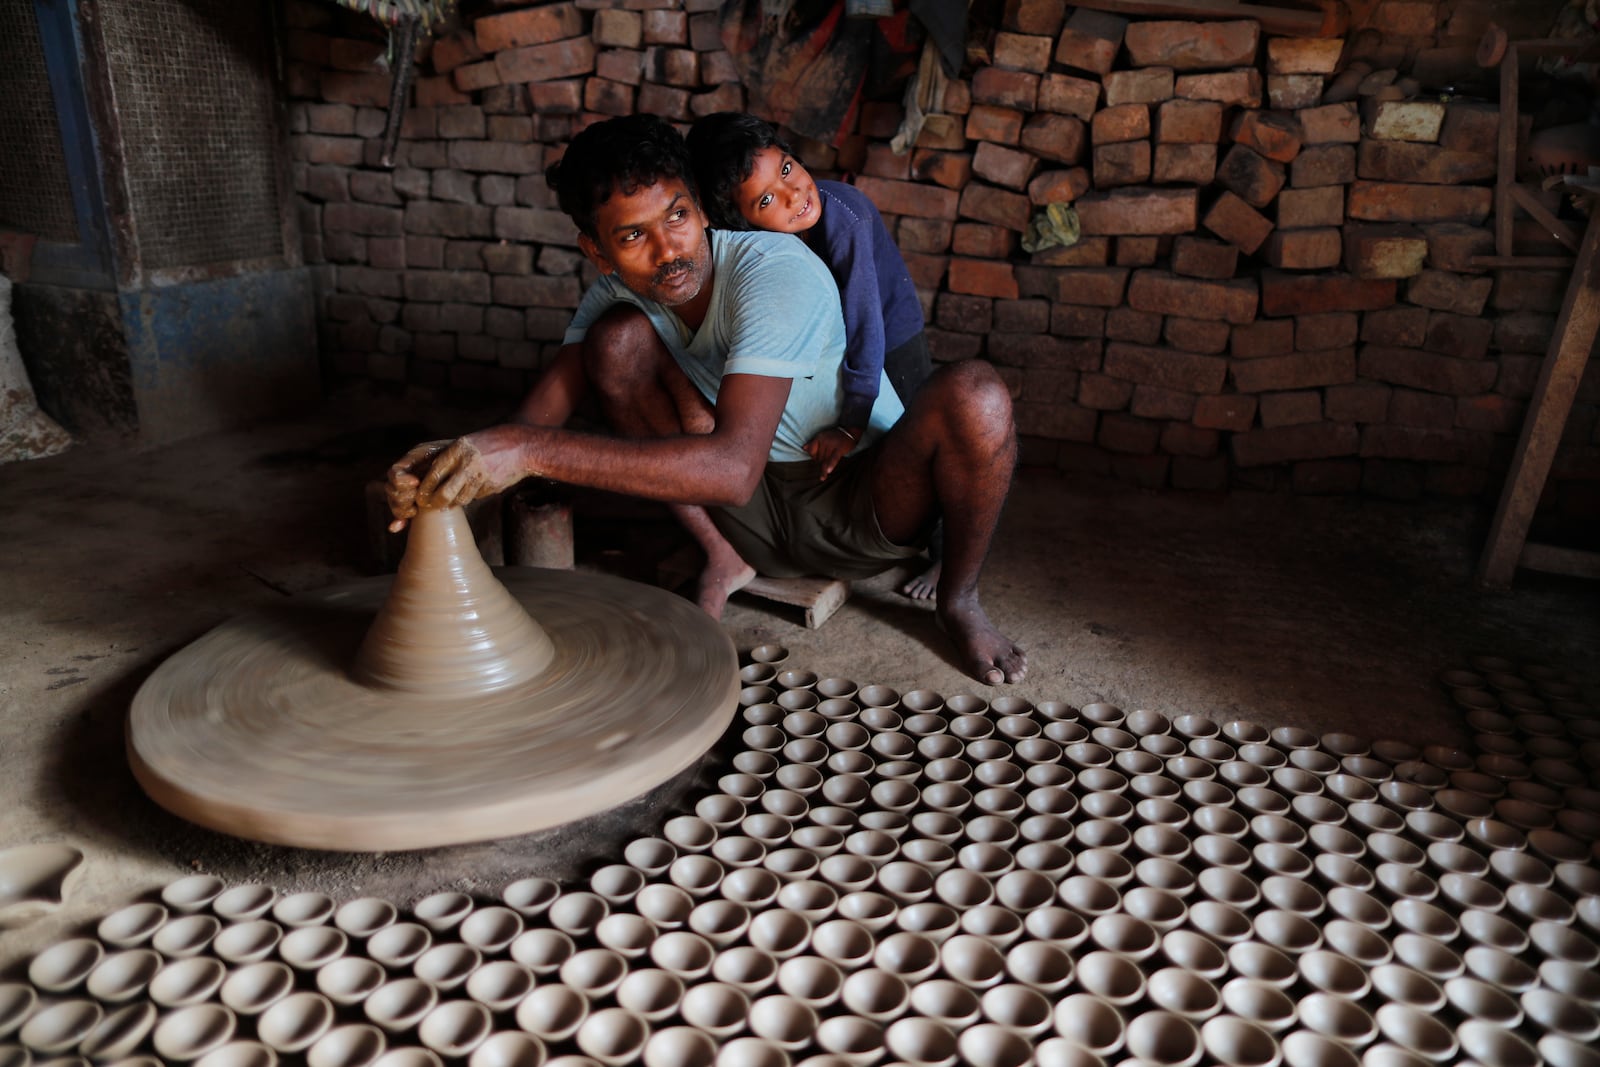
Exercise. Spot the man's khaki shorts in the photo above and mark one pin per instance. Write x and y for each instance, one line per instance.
(796, 526)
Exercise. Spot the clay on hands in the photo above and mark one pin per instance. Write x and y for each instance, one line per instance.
(452, 474)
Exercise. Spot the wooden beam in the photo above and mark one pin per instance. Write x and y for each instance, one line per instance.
(1506, 154)
(1331, 21)
(1523, 262)
(1541, 214)
(1551, 559)
(1575, 333)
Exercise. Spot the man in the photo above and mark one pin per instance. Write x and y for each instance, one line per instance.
(716, 356)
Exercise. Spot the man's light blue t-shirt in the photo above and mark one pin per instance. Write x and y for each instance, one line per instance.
(775, 313)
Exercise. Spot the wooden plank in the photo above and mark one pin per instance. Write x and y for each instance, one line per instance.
(1575, 333)
(1552, 559)
(1524, 262)
(1506, 154)
(818, 598)
(1541, 214)
(1331, 21)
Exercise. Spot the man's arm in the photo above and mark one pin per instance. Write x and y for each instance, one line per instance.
(719, 468)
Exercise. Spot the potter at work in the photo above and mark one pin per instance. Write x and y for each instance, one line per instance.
(715, 357)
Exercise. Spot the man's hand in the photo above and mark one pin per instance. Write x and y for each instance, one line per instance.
(830, 446)
(448, 474)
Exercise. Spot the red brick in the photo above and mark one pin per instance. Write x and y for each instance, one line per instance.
(1236, 222)
(448, 220)
(1523, 331)
(1313, 249)
(1181, 439)
(1137, 251)
(1291, 92)
(544, 62)
(616, 28)
(1324, 164)
(1125, 122)
(1200, 336)
(1400, 161)
(1196, 473)
(329, 118)
(1135, 211)
(666, 27)
(1403, 202)
(1330, 124)
(1264, 337)
(1021, 51)
(980, 277)
(1408, 407)
(1528, 290)
(1518, 376)
(1286, 444)
(1055, 421)
(1022, 316)
(1303, 55)
(1153, 402)
(1412, 443)
(978, 241)
(1290, 409)
(1361, 402)
(953, 170)
(439, 92)
(1048, 385)
(964, 314)
(1320, 206)
(505, 100)
(615, 64)
(1466, 336)
(562, 97)
(475, 76)
(1066, 95)
(1303, 294)
(923, 235)
(1196, 257)
(1494, 413)
(1004, 166)
(1189, 122)
(536, 291)
(995, 206)
(1396, 327)
(1251, 176)
(1168, 294)
(1116, 165)
(1102, 287)
(728, 97)
(1443, 291)
(1427, 370)
(539, 225)
(1059, 138)
(1004, 88)
(927, 272)
(1231, 88)
(1404, 120)
(1330, 329)
(677, 67)
(1327, 476)
(1193, 45)
(1452, 245)
(1058, 186)
(1088, 252)
(455, 123)
(360, 90)
(1139, 327)
(1042, 350)
(347, 54)
(1270, 134)
(1229, 411)
(909, 198)
(1297, 370)
(1384, 251)
(1072, 320)
(1165, 368)
(499, 157)
(986, 122)
(1126, 434)
(530, 26)
(1035, 16)
(1100, 393)
(1091, 40)
(705, 32)
(1470, 126)
(367, 219)
(1150, 85)
(883, 162)
(1192, 163)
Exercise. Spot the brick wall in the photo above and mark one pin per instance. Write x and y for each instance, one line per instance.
(1272, 287)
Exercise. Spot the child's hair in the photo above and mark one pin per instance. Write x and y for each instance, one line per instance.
(618, 155)
(722, 147)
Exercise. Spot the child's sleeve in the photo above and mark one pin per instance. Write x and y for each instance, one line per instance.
(851, 260)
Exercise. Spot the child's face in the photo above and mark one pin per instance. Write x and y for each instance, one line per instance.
(779, 194)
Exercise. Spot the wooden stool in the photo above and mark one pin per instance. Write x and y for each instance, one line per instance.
(819, 598)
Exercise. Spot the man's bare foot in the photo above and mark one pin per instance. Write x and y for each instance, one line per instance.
(924, 585)
(721, 578)
(986, 653)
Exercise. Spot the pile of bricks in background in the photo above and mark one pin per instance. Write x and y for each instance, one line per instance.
(1272, 286)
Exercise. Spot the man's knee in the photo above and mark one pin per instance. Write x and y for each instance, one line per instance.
(973, 391)
(621, 348)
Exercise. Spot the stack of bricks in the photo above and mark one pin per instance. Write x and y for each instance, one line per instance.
(1272, 286)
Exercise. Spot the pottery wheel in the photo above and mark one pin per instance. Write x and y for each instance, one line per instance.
(261, 729)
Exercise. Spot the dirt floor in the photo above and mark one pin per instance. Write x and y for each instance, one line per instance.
(1324, 613)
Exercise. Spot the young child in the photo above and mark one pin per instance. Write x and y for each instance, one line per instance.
(749, 180)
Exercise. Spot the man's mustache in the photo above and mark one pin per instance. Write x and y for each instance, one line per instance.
(672, 270)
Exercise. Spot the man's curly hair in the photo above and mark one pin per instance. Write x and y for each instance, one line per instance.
(623, 155)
